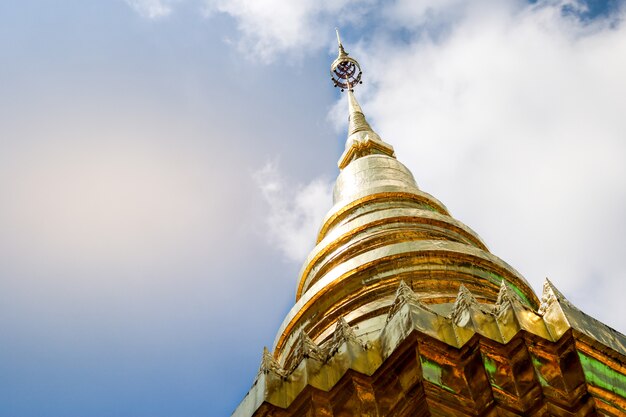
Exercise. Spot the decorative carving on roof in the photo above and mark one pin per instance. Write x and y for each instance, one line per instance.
(343, 334)
(269, 364)
(549, 296)
(463, 305)
(404, 295)
(305, 348)
(507, 299)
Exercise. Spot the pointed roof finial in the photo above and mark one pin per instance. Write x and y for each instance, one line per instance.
(270, 364)
(339, 42)
(345, 71)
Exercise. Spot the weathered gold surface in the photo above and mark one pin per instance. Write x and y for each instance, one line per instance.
(401, 310)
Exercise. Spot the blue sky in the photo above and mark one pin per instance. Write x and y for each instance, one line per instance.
(164, 166)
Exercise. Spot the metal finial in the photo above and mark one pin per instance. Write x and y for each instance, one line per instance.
(345, 71)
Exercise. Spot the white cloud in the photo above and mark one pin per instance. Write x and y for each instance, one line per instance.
(152, 9)
(510, 112)
(271, 27)
(514, 118)
(295, 210)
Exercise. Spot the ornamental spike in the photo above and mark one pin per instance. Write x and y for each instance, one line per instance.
(269, 364)
(464, 302)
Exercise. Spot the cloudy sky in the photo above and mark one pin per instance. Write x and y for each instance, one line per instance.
(164, 166)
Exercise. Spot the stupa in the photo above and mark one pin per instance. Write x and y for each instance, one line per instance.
(401, 310)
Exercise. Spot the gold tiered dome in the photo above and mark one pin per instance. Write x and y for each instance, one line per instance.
(382, 229)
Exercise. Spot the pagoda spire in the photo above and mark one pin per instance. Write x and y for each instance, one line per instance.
(356, 119)
(362, 140)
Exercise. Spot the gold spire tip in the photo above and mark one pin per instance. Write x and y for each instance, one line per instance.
(339, 44)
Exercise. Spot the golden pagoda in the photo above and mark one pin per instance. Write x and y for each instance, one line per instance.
(401, 310)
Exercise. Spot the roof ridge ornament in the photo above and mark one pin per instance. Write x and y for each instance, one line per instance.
(305, 348)
(269, 364)
(404, 295)
(343, 333)
(463, 304)
(508, 299)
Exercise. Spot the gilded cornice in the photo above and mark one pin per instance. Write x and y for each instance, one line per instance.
(601, 350)
(353, 279)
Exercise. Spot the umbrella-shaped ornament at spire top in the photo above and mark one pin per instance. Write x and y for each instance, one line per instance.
(345, 71)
